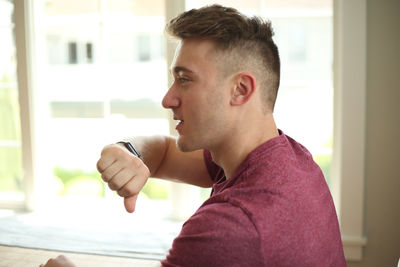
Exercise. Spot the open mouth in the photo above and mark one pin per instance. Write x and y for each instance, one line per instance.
(179, 124)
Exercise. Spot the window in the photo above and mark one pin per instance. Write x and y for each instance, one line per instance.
(72, 53)
(144, 45)
(103, 80)
(298, 35)
(89, 52)
(11, 181)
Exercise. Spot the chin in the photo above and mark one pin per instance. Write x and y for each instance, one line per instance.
(185, 145)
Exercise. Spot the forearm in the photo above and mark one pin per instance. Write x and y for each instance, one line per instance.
(166, 161)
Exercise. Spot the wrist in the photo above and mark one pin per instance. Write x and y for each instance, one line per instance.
(131, 148)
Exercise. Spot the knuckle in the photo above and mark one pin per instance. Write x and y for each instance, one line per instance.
(110, 151)
(146, 171)
(125, 192)
(121, 193)
(128, 190)
(112, 185)
(106, 149)
(99, 165)
(136, 162)
(117, 150)
(104, 177)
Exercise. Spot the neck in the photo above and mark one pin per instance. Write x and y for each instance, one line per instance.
(235, 148)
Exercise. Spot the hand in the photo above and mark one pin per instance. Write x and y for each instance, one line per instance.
(124, 173)
(60, 261)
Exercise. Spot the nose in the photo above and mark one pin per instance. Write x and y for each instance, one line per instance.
(171, 99)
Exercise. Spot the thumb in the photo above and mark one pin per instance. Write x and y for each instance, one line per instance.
(130, 203)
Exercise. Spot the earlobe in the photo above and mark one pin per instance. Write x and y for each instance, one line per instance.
(244, 88)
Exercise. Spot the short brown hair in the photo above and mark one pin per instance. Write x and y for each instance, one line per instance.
(250, 39)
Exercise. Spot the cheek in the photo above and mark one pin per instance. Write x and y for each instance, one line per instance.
(216, 112)
(218, 102)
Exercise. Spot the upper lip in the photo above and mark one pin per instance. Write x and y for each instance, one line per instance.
(176, 118)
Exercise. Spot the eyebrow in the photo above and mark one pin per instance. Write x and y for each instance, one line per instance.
(178, 69)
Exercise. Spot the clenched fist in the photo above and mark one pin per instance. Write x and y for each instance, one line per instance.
(123, 172)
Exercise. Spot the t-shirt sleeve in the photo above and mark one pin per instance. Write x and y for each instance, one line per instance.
(218, 234)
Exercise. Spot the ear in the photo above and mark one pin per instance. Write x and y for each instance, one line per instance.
(244, 88)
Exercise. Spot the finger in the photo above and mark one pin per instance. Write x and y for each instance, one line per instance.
(135, 184)
(109, 154)
(112, 171)
(104, 162)
(121, 178)
(130, 203)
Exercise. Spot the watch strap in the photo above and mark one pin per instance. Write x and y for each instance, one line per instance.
(131, 148)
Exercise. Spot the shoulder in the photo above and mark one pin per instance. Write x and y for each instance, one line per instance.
(218, 234)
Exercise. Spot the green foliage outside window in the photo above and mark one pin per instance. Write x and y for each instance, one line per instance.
(324, 162)
(79, 182)
(10, 155)
(156, 189)
(85, 183)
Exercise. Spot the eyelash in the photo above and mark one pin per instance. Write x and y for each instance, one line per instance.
(182, 79)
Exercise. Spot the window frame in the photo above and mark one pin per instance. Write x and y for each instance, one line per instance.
(348, 162)
(348, 159)
(24, 43)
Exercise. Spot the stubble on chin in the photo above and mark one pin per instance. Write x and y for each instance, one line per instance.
(184, 146)
(181, 146)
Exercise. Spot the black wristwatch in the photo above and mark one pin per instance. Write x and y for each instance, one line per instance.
(131, 148)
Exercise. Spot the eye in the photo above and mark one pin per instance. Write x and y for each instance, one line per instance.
(182, 80)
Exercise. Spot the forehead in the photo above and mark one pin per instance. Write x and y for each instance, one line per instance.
(194, 55)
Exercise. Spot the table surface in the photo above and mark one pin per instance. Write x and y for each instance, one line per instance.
(24, 257)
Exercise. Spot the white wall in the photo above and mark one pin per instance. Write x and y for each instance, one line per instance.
(382, 159)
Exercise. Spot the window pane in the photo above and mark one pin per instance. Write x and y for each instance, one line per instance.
(11, 183)
(304, 108)
(103, 79)
(304, 35)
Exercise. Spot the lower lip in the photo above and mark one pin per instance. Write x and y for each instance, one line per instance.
(179, 126)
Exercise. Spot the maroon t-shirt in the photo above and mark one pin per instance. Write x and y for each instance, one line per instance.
(276, 210)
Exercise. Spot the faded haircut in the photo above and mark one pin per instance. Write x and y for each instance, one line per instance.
(247, 42)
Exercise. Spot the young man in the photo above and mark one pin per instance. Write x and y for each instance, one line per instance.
(270, 205)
